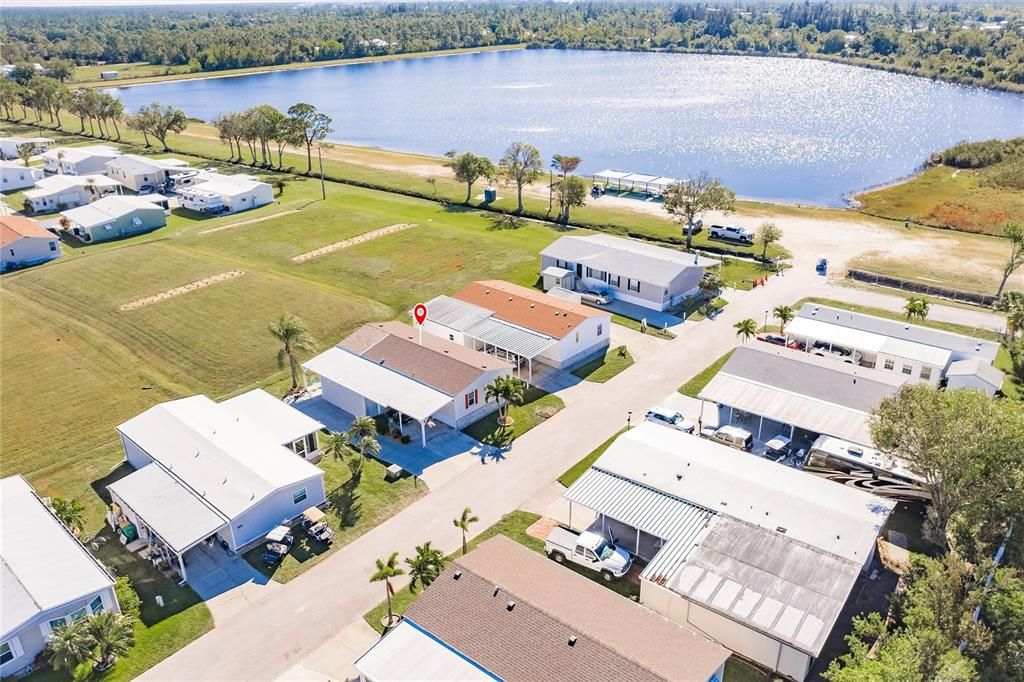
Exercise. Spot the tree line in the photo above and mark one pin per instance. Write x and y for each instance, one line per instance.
(968, 44)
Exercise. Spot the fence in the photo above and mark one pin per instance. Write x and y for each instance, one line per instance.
(985, 300)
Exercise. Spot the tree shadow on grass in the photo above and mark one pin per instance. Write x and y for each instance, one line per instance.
(344, 501)
(503, 221)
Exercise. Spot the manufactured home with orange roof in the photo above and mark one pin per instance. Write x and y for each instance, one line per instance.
(25, 242)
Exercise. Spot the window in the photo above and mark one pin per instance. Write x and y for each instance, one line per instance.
(136, 221)
(53, 246)
(926, 373)
(451, 337)
(299, 447)
(78, 615)
(299, 495)
(58, 623)
(311, 443)
(889, 364)
(907, 369)
(633, 285)
(6, 653)
(96, 605)
(600, 330)
(613, 280)
(471, 399)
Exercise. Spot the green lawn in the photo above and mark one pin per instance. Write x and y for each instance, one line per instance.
(577, 469)
(605, 367)
(697, 315)
(738, 670)
(635, 326)
(538, 405)
(353, 509)
(694, 386)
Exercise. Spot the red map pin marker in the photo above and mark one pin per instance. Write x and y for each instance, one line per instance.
(420, 313)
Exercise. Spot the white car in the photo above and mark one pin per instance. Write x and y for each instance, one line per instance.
(596, 297)
(670, 418)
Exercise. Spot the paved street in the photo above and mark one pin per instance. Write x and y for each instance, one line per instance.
(279, 632)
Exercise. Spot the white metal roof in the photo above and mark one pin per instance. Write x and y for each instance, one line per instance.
(813, 510)
(626, 257)
(409, 654)
(977, 368)
(640, 178)
(850, 337)
(133, 163)
(230, 463)
(225, 186)
(178, 515)
(555, 271)
(282, 423)
(42, 565)
(108, 208)
(379, 384)
(455, 314)
(609, 174)
(513, 338)
(76, 154)
(59, 183)
(663, 182)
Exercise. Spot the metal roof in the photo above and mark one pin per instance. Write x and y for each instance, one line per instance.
(977, 368)
(663, 182)
(555, 271)
(109, 208)
(609, 174)
(640, 178)
(455, 314)
(626, 257)
(383, 386)
(282, 423)
(510, 337)
(407, 652)
(179, 516)
(851, 337)
(42, 565)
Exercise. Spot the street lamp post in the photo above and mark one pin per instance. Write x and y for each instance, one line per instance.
(765, 320)
(629, 419)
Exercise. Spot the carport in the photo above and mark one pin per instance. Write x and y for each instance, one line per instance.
(509, 341)
(381, 386)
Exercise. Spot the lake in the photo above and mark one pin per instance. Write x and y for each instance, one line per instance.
(795, 130)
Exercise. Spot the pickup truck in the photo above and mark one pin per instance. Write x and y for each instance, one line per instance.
(731, 233)
(589, 550)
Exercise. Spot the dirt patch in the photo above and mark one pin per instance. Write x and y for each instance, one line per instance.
(178, 291)
(541, 528)
(365, 237)
(249, 222)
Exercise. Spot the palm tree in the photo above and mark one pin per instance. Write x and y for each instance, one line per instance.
(507, 390)
(294, 336)
(363, 434)
(784, 314)
(70, 513)
(91, 188)
(425, 566)
(386, 570)
(916, 307)
(69, 645)
(745, 329)
(113, 635)
(462, 523)
(336, 445)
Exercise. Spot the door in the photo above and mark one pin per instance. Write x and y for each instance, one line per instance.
(579, 270)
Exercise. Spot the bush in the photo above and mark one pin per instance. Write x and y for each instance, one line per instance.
(979, 154)
(127, 597)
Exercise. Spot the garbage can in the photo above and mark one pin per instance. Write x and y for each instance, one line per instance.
(490, 195)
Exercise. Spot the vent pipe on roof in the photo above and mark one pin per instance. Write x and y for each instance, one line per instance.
(496, 590)
(572, 640)
(456, 575)
(511, 605)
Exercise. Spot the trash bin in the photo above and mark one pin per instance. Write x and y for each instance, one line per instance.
(490, 195)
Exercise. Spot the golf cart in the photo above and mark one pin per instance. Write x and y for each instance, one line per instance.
(279, 541)
(314, 522)
(822, 267)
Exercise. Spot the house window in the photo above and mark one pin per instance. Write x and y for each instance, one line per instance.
(311, 444)
(53, 246)
(299, 495)
(299, 447)
(58, 623)
(907, 369)
(6, 653)
(471, 399)
(926, 373)
(78, 615)
(96, 605)
(633, 285)
(889, 364)
(613, 280)
(600, 329)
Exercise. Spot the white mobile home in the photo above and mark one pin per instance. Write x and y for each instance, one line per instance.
(385, 366)
(144, 174)
(49, 579)
(226, 194)
(651, 276)
(758, 556)
(78, 160)
(15, 175)
(9, 145)
(114, 217)
(61, 192)
(25, 242)
(207, 471)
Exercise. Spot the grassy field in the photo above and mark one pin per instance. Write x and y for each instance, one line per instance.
(605, 367)
(694, 386)
(537, 406)
(354, 507)
(577, 469)
(947, 197)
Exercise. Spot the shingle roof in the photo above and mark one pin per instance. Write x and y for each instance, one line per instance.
(615, 638)
(436, 362)
(14, 227)
(527, 307)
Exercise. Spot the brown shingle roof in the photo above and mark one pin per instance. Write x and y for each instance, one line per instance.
(438, 363)
(527, 307)
(14, 227)
(615, 638)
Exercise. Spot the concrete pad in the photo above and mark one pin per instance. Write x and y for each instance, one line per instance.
(691, 408)
(654, 318)
(334, 658)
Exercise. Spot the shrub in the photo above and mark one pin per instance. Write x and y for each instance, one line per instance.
(127, 597)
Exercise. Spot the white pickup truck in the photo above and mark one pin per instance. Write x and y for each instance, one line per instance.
(731, 233)
(589, 550)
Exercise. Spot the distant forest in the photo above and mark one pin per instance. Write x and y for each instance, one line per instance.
(962, 44)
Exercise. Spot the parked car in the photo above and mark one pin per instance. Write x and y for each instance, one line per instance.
(778, 447)
(670, 418)
(589, 550)
(695, 227)
(733, 233)
(596, 297)
(822, 266)
(314, 522)
(823, 349)
(733, 436)
(780, 340)
(279, 542)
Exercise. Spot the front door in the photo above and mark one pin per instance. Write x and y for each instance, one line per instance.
(579, 270)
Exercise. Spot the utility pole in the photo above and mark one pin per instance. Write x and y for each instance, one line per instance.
(320, 160)
(551, 185)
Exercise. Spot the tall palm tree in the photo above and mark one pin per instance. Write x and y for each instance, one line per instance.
(69, 645)
(70, 513)
(508, 391)
(363, 435)
(92, 188)
(916, 306)
(336, 445)
(113, 634)
(784, 314)
(425, 566)
(386, 570)
(294, 336)
(745, 329)
(462, 523)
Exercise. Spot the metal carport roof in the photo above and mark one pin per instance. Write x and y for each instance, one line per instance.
(514, 339)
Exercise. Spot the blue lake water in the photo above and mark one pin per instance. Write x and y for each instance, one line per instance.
(784, 129)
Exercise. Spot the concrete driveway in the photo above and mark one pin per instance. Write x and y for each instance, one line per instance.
(228, 584)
